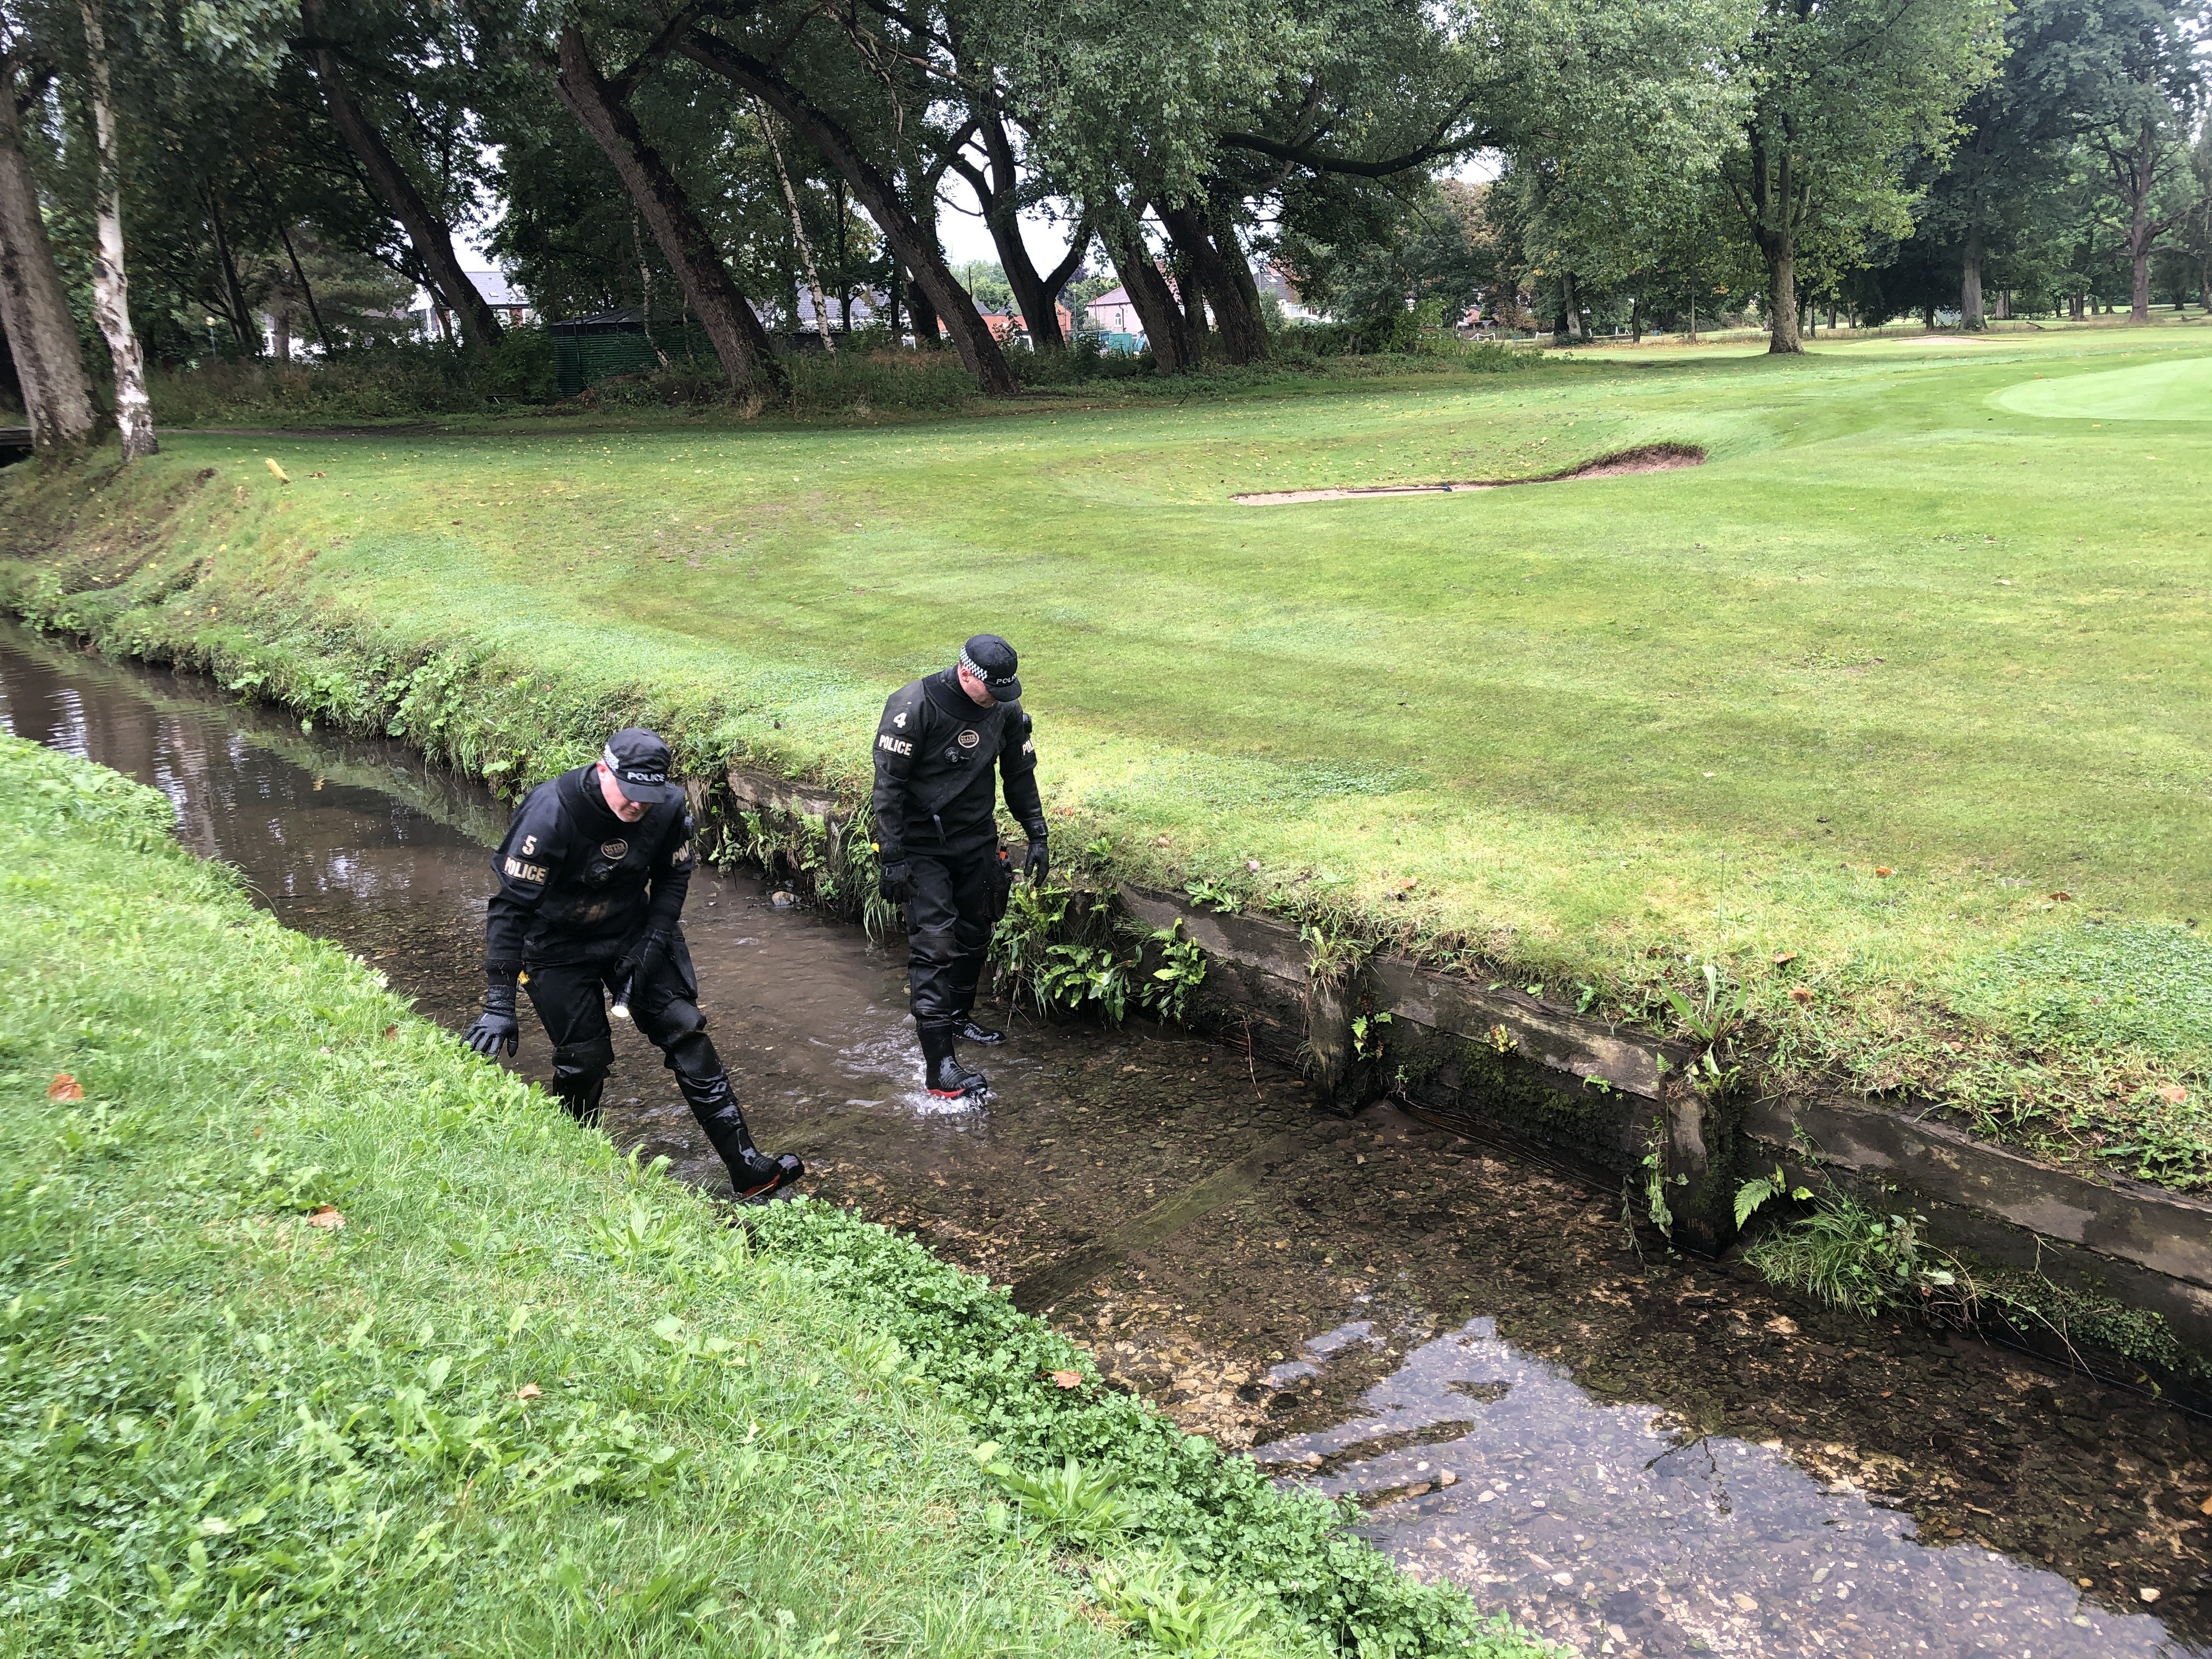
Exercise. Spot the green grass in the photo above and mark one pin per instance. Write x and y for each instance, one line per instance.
(528, 1398)
(1611, 729)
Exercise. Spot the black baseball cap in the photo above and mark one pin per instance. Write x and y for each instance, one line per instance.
(992, 660)
(639, 760)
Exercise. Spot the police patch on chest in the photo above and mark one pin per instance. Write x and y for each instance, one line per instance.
(613, 851)
(970, 737)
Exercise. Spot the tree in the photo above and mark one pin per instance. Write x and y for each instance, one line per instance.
(110, 287)
(2149, 97)
(602, 104)
(41, 337)
(1843, 91)
(427, 229)
(772, 70)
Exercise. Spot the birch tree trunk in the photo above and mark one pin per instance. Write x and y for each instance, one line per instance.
(111, 288)
(42, 338)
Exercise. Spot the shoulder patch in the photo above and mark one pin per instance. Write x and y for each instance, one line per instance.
(891, 745)
(522, 871)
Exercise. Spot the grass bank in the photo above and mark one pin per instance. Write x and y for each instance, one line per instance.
(317, 1335)
(1893, 711)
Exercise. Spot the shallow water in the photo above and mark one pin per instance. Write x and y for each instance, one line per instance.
(1678, 1459)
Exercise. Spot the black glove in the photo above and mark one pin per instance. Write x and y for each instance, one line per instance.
(497, 1028)
(890, 882)
(1039, 862)
(641, 953)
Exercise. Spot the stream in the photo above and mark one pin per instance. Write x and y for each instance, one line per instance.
(1630, 1452)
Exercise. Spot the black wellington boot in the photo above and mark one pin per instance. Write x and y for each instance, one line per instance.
(967, 1030)
(579, 1096)
(946, 1077)
(753, 1174)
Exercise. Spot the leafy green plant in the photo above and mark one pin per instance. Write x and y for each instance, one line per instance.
(1214, 895)
(1176, 1610)
(1712, 1019)
(1072, 975)
(1180, 973)
(1074, 1501)
(1367, 1035)
(1332, 958)
(1851, 1257)
(1757, 1191)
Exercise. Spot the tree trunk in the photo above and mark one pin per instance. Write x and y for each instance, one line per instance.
(1166, 328)
(2142, 233)
(1970, 285)
(996, 191)
(1693, 316)
(797, 229)
(110, 282)
(235, 311)
(432, 238)
(1782, 294)
(928, 332)
(876, 196)
(741, 344)
(41, 336)
(1636, 320)
(307, 292)
(1235, 316)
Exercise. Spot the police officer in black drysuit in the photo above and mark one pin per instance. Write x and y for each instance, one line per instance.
(592, 880)
(944, 744)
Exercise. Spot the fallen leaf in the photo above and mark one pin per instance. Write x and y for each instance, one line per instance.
(2149, 1592)
(65, 1087)
(528, 1391)
(1883, 869)
(1068, 1379)
(1785, 958)
(389, 1032)
(2062, 898)
(2205, 1508)
(1800, 994)
(326, 1217)
(2173, 1094)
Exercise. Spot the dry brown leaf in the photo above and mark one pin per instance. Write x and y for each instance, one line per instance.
(2173, 1094)
(1784, 958)
(1799, 993)
(65, 1087)
(326, 1217)
(2062, 898)
(1068, 1379)
(389, 1032)
(528, 1391)
(1883, 869)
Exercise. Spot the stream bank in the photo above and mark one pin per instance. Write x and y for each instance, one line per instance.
(1702, 1437)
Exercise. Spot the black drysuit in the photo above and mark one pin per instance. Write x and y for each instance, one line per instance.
(938, 761)
(577, 890)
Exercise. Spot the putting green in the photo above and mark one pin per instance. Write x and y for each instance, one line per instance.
(2155, 392)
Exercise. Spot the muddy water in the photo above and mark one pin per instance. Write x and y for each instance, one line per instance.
(1634, 1453)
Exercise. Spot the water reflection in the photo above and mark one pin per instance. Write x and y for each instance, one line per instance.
(1611, 1530)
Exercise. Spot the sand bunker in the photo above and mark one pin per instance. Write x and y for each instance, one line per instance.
(1646, 458)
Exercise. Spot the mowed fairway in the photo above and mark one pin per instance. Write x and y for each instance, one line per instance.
(1921, 647)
